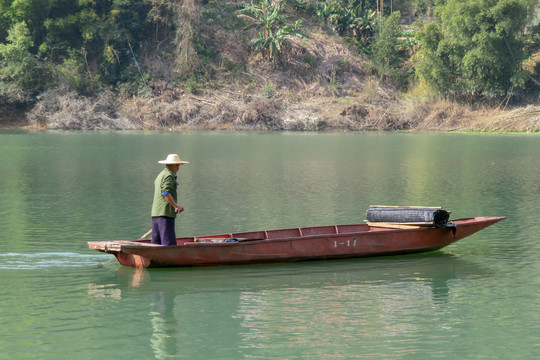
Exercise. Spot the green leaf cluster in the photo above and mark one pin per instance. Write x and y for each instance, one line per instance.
(353, 20)
(80, 45)
(20, 73)
(476, 47)
(385, 47)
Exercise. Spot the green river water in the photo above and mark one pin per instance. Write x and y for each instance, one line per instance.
(476, 299)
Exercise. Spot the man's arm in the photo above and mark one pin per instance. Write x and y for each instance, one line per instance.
(171, 201)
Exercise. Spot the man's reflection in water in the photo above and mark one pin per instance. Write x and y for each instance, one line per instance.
(164, 325)
(161, 314)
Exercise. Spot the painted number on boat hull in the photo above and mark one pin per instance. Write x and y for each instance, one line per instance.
(347, 243)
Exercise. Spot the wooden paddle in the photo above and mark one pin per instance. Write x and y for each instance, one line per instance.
(148, 233)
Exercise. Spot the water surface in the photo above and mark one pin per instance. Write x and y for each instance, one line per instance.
(477, 299)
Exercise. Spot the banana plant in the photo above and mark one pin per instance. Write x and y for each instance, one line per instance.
(269, 19)
(325, 12)
(355, 22)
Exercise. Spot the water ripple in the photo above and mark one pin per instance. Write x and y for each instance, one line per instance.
(18, 261)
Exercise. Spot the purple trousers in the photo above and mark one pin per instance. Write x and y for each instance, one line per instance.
(163, 230)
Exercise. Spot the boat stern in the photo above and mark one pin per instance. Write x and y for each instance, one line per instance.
(105, 246)
(115, 248)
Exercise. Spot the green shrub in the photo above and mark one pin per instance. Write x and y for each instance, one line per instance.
(385, 48)
(21, 74)
(476, 48)
(269, 91)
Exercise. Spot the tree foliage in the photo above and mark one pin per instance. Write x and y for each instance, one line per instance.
(87, 46)
(385, 46)
(477, 46)
(76, 44)
(19, 70)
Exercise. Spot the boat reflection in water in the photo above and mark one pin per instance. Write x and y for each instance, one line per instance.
(247, 303)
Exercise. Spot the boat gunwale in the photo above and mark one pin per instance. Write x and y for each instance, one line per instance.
(137, 244)
(116, 246)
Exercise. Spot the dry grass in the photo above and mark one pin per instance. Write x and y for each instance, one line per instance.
(440, 115)
(230, 111)
(59, 110)
(522, 119)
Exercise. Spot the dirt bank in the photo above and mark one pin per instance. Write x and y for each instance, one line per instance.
(236, 112)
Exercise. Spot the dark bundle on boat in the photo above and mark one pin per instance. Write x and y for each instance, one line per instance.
(415, 215)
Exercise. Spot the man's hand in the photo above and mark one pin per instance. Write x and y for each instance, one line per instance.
(171, 201)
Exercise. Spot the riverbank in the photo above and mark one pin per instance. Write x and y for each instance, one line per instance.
(325, 86)
(215, 79)
(238, 112)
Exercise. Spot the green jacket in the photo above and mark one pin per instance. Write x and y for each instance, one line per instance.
(165, 181)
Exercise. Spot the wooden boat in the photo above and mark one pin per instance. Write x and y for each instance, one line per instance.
(294, 244)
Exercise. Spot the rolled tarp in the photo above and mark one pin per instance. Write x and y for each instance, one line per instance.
(429, 216)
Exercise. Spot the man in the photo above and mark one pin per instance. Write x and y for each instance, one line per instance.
(164, 207)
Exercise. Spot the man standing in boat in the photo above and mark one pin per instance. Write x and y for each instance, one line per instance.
(164, 207)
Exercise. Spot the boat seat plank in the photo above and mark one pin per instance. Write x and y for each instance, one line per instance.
(405, 207)
(392, 225)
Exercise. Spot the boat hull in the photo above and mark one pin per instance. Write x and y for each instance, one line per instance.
(290, 245)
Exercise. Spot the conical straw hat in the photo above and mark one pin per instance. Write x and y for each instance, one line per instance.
(173, 159)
